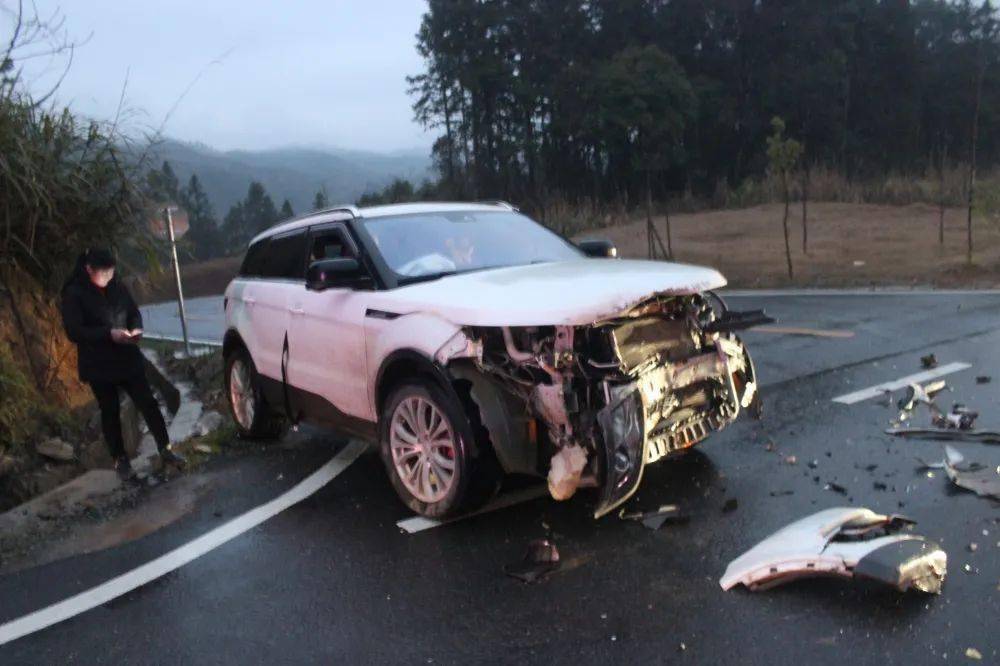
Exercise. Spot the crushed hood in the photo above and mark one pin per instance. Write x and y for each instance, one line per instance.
(560, 293)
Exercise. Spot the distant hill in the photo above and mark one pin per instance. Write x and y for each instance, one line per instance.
(295, 173)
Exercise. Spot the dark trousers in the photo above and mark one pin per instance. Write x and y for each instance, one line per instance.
(138, 389)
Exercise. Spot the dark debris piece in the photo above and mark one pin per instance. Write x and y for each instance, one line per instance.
(951, 434)
(983, 379)
(654, 520)
(730, 504)
(929, 361)
(781, 493)
(960, 417)
(878, 485)
(540, 559)
(835, 487)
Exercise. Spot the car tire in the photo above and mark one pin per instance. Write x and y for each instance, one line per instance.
(475, 473)
(253, 417)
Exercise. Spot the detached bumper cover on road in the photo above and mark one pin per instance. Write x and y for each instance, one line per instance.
(845, 542)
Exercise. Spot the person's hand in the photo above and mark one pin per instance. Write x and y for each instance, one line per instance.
(120, 336)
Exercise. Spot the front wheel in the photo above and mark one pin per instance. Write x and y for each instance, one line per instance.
(431, 453)
(253, 417)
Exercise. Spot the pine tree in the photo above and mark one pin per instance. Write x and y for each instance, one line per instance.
(203, 234)
(320, 201)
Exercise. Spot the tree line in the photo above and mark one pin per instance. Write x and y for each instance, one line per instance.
(208, 238)
(604, 100)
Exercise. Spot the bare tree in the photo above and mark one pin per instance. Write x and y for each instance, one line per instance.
(782, 156)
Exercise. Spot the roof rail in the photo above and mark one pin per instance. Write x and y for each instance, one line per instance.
(353, 210)
(499, 202)
(298, 220)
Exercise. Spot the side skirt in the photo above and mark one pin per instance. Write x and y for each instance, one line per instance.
(314, 409)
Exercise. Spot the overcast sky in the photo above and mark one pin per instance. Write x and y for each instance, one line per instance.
(299, 72)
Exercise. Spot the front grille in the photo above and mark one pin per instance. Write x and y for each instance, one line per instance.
(680, 436)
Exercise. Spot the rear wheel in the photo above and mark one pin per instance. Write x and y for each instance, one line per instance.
(431, 453)
(251, 413)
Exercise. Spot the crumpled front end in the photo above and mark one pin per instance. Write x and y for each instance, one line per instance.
(606, 399)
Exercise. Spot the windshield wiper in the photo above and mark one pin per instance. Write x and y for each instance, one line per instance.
(426, 277)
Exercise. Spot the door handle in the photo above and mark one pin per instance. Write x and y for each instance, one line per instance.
(250, 301)
(297, 311)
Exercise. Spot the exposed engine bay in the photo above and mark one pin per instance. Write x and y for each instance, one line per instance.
(590, 406)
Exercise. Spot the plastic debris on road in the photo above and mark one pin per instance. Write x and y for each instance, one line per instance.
(847, 542)
(540, 559)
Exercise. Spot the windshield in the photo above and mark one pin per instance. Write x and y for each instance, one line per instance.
(431, 244)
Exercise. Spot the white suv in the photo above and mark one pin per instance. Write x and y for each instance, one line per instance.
(472, 342)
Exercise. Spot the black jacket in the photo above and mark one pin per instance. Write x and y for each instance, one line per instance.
(88, 317)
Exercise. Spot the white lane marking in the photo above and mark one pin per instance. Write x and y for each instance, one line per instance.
(895, 385)
(178, 338)
(178, 557)
(750, 293)
(419, 523)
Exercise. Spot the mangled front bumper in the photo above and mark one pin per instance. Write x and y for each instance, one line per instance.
(638, 426)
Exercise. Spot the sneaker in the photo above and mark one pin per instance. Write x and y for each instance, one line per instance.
(170, 458)
(125, 471)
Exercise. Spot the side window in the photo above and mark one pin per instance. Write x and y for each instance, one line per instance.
(286, 256)
(253, 262)
(330, 244)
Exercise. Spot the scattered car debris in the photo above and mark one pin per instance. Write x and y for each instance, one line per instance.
(835, 487)
(960, 418)
(929, 361)
(781, 493)
(973, 653)
(540, 559)
(983, 379)
(980, 479)
(654, 520)
(730, 505)
(791, 460)
(921, 394)
(981, 436)
(848, 542)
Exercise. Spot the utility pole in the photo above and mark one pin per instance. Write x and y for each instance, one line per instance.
(169, 219)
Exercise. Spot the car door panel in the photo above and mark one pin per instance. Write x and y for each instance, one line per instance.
(326, 338)
(327, 352)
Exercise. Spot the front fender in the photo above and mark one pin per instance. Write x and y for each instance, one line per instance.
(433, 338)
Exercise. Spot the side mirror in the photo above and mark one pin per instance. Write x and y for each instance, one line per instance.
(594, 247)
(339, 272)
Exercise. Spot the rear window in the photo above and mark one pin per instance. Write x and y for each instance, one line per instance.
(286, 256)
(253, 262)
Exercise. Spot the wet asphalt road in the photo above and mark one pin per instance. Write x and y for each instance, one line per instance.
(333, 580)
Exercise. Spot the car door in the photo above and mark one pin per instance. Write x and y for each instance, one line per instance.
(326, 337)
(283, 276)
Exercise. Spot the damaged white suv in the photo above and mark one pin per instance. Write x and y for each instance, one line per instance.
(472, 342)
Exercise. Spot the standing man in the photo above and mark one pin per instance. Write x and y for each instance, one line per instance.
(101, 317)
